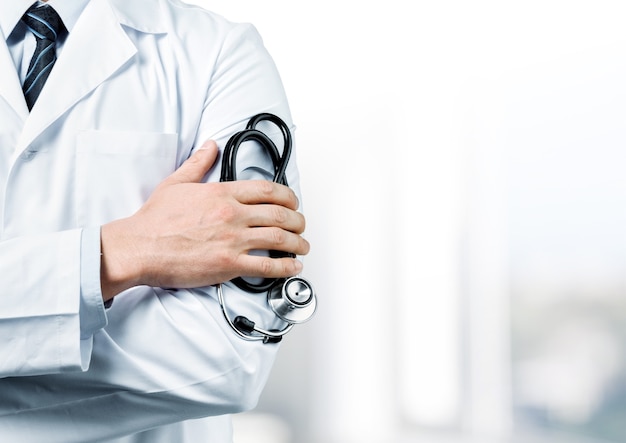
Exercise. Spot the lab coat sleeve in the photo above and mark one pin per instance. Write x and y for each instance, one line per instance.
(41, 305)
(168, 355)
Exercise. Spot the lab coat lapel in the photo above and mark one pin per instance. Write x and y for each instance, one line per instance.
(10, 86)
(88, 59)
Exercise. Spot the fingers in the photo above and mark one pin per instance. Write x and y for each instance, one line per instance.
(254, 192)
(274, 215)
(190, 233)
(256, 266)
(278, 240)
(196, 166)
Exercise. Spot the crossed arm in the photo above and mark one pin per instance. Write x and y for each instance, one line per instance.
(167, 355)
(192, 234)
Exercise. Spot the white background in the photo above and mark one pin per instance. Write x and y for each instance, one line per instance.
(447, 148)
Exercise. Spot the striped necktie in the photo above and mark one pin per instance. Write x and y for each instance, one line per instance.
(46, 25)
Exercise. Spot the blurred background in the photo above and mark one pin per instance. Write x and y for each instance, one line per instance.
(463, 170)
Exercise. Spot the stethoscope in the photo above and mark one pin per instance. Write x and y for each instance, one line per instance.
(293, 299)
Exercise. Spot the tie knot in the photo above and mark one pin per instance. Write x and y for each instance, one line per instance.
(44, 22)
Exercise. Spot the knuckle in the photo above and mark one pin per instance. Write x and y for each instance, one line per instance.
(266, 266)
(227, 213)
(266, 188)
(277, 236)
(227, 258)
(232, 264)
(279, 215)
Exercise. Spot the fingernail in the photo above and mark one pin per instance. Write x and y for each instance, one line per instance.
(299, 266)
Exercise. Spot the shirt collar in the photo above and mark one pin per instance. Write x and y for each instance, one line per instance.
(69, 11)
(12, 11)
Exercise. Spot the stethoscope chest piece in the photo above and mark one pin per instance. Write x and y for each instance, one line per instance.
(293, 301)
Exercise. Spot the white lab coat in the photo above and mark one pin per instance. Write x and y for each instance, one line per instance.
(138, 86)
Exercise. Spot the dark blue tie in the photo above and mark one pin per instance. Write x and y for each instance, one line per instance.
(46, 26)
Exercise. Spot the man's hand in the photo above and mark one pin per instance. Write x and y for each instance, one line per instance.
(191, 234)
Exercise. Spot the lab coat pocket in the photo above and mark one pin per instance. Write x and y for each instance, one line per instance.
(117, 171)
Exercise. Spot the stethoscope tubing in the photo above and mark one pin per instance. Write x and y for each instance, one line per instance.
(259, 333)
(244, 327)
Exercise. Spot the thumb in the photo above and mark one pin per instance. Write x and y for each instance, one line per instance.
(196, 166)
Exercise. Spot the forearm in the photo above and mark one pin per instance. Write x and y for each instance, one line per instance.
(165, 357)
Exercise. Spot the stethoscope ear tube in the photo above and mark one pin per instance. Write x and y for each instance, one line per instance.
(293, 300)
(229, 160)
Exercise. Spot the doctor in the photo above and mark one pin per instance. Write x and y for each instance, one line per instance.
(103, 198)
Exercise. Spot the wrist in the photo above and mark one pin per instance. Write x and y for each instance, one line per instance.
(119, 270)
